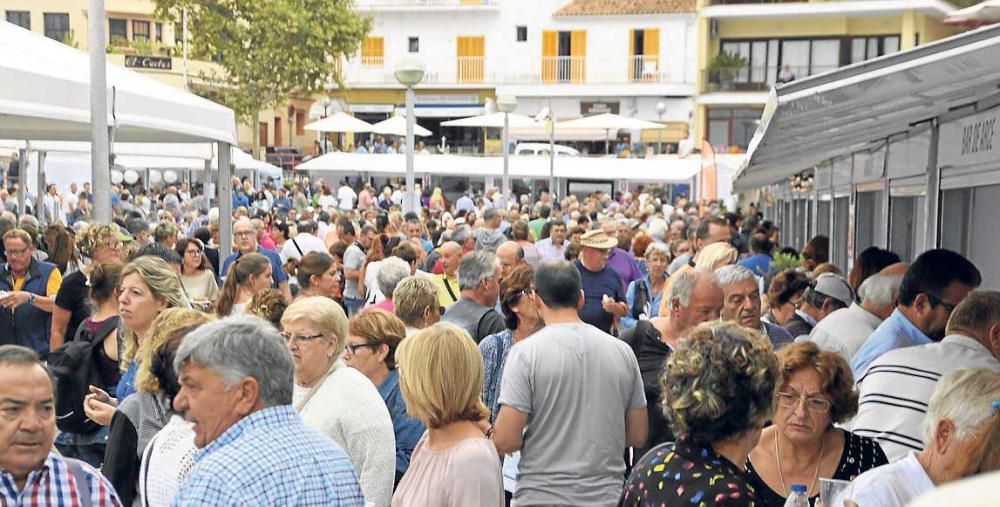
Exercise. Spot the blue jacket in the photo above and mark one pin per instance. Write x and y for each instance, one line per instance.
(28, 325)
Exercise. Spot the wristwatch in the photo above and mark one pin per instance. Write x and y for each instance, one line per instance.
(31, 298)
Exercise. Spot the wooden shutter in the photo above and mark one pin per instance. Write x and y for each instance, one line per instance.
(578, 50)
(471, 52)
(650, 53)
(550, 49)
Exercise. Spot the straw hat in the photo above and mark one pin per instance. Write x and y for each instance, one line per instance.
(597, 239)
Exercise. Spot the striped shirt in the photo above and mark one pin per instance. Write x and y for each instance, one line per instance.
(270, 457)
(896, 388)
(53, 485)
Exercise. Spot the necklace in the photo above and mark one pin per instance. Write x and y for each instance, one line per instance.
(781, 476)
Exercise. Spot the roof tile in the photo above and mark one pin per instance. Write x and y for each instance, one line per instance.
(619, 7)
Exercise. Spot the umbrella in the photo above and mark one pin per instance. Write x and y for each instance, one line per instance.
(340, 122)
(608, 122)
(396, 126)
(493, 120)
(979, 14)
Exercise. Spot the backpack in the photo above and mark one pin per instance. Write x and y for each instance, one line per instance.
(74, 366)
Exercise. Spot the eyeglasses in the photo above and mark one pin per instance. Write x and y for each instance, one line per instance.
(935, 301)
(813, 404)
(113, 245)
(353, 349)
(194, 253)
(288, 337)
(17, 253)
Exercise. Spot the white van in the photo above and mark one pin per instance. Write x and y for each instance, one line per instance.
(543, 149)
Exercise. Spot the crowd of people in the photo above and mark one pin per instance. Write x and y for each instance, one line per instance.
(578, 351)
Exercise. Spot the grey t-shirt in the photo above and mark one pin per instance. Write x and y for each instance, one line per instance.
(575, 383)
(476, 319)
(354, 258)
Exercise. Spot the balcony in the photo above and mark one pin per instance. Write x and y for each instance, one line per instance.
(645, 69)
(372, 62)
(756, 78)
(470, 69)
(564, 69)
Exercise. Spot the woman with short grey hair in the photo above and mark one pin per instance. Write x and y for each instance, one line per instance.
(391, 271)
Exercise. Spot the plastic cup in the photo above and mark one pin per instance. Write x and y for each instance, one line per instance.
(831, 492)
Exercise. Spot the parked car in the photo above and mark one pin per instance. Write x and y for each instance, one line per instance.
(285, 157)
(543, 149)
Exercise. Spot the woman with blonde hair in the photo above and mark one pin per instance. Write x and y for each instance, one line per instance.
(437, 203)
(149, 286)
(146, 412)
(268, 304)
(337, 400)
(247, 275)
(441, 379)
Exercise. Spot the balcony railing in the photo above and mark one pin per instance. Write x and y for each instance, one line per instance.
(644, 68)
(470, 69)
(756, 78)
(372, 61)
(564, 69)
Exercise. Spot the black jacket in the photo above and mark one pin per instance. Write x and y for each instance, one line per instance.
(652, 355)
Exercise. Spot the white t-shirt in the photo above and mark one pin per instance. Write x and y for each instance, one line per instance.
(346, 195)
(845, 331)
(373, 293)
(327, 201)
(893, 484)
(306, 243)
(69, 202)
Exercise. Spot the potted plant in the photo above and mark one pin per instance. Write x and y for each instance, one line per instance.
(723, 68)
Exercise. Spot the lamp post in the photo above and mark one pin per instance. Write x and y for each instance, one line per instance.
(506, 104)
(661, 107)
(409, 72)
(326, 102)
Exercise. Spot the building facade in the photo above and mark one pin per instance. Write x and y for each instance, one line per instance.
(746, 47)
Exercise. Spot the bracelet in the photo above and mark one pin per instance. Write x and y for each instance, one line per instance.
(31, 298)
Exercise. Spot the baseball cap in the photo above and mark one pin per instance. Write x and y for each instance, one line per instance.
(834, 286)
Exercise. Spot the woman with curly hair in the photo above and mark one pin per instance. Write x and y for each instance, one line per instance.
(817, 391)
(717, 392)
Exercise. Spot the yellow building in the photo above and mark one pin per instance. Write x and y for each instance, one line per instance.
(773, 41)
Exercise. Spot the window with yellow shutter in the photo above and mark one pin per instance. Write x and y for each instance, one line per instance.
(470, 58)
(644, 54)
(564, 56)
(373, 52)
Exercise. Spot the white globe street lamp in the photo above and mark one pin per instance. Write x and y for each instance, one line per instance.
(506, 104)
(409, 72)
(661, 107)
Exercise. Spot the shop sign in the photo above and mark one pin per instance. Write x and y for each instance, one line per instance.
(970, 141)
(589, 108)
(149, 62)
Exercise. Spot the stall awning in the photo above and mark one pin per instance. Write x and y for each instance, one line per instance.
(817, 118)
(668, 169)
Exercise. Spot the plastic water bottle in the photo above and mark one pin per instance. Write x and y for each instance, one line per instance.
(799, 496)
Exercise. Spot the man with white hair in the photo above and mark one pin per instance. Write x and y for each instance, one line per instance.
(896, 387)
(235, 379)
(245, 240)
(959, 421)
(479, 280)
(741, 303)
(844, 331)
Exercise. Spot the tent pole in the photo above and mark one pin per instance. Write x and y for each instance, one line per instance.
(225, 193)
(40, 194)
(22, 179)
(206, 182)
(99, 158)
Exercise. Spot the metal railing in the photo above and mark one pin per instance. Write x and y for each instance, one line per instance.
(564, 69)
(645, 68)
(756, 77)
(470, 69)
(372, 61)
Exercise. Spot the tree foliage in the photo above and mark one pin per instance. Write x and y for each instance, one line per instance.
(268, 49)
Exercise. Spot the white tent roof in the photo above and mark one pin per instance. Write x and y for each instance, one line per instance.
(340, 122)
(492, 120)
(396, 126)
(666, 169)
(986, 12)
(607, 121)
(46, 96)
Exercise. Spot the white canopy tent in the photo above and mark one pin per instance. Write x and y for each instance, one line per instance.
(981, 13)
(493, 120)
(607, 122)
(668, 169)
(340, 122)
(396, 126)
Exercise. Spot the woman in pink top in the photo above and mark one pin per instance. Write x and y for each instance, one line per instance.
(441, 379)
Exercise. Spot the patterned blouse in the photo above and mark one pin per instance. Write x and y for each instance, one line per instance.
(688, 474)
(860, 455)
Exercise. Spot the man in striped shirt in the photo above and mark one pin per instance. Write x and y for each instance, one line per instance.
(896, 388)
(29, 474)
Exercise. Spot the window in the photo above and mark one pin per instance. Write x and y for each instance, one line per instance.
(470, 53)
(159, 32)
(300, 122)
(644, 54)
(866, 221)
(841, 214)
(956, 213)
(56, 25)
(865, 48)
(372, 51)
(414, 44)
(20, 18)
(522, 33)
(117, 32)
(730, 130)
(906, 225)
(140, 30)
(564, 56)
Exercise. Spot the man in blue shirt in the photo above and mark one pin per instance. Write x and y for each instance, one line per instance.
(235, 379)
(282, 203)
(936, 282)
(603, 290)
(759, 263)
(245, 239)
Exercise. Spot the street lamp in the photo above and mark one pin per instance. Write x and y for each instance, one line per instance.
(506, 104)
(409, 72)
(661, 107)
(326, 103)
